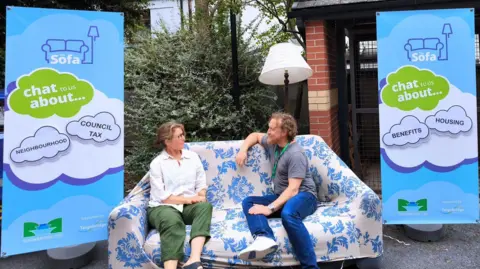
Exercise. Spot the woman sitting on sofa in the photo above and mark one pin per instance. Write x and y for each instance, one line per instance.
(177, 198)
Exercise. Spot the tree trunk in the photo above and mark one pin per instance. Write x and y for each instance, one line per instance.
(202, 18)
(190, 16)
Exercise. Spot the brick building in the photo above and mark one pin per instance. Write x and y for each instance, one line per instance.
(341, 49)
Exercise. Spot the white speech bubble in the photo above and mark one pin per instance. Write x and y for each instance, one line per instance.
(409, 131)
(83, 161)
(441, 150)
(454, 120)
(47, 142)
(100, 128)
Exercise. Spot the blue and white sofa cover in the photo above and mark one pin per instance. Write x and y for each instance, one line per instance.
(347, 224)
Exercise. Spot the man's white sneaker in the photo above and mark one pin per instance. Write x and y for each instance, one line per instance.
(261, 247)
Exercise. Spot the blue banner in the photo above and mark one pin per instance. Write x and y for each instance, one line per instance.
(428, 116)
(63, 144)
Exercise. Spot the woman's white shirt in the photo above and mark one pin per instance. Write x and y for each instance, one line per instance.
(171, 177)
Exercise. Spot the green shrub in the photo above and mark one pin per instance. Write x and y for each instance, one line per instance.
(181, 77)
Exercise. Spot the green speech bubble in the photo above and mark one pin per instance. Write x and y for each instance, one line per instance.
(46, 92)
(410, 87)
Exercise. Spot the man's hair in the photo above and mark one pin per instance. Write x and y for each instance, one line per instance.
(287, 123)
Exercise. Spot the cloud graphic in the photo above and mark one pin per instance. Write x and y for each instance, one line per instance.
(454, 120)
(47, 142)
(409, 131)
(84, 164)
(100, 128)
(424, 92)
(39, 99)
(442, 153)
(74, 214)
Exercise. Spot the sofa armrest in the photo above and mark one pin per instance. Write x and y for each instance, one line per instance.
(355, 199)
(46, 48)
(128, 217)
(131, 214)
(367, 208)
(127, 230)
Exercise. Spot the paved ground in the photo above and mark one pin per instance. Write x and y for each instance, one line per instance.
(458, 249)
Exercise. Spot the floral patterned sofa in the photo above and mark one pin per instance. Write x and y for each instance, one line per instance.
(347, 224)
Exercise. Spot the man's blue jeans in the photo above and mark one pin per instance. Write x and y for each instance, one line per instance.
(293, 212)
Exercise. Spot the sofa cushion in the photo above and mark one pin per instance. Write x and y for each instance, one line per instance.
(56, 44)
(431, 43)
(416, 43)
(74, 45)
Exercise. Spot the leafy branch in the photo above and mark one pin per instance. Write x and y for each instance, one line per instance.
(277, 10)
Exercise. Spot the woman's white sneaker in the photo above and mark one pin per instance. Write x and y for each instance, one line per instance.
(261, 247)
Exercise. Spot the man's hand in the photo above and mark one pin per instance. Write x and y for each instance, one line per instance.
(251, 140)
(241, 158)
(260, 210)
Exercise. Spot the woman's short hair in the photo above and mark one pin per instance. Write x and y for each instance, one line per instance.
(165, 132)
(287, 123)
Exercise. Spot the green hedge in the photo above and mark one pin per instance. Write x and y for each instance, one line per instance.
(181, 77)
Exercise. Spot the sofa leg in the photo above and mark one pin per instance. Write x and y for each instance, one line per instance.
(370, 263)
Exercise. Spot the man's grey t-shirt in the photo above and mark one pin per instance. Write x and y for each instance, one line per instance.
(292, 164)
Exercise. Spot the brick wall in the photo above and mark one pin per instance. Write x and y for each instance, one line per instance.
(322, 88)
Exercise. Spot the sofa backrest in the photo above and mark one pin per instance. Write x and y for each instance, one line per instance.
(230, 184)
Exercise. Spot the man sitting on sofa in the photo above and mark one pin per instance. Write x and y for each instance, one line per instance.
(294, 195)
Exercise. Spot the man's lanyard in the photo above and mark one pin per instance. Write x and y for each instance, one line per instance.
(277, 158)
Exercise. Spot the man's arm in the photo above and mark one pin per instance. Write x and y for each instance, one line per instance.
(297, 171)
(289, 192)
(251, 140)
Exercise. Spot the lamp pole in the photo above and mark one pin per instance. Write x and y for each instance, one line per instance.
(236, 86)
(285, 98)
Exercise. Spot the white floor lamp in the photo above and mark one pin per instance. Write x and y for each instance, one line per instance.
(285, 64)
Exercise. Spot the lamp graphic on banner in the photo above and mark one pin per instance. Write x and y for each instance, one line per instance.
(285, 64)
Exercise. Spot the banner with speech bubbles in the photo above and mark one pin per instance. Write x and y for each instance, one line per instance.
(428, 116)
(63, 144)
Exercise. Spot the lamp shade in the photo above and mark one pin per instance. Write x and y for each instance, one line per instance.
(285, 57)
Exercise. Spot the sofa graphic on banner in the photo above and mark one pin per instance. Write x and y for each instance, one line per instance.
(64, 127)
(71, 51)
(429, 49)
(428, 116)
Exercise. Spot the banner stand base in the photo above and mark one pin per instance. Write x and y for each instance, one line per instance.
(425, 232)
(73, 257)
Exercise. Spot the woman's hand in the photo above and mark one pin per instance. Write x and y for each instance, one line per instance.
(188, 200)
(194, 199)
(198, 199)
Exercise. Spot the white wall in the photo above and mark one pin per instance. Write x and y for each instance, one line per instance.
(167, 12)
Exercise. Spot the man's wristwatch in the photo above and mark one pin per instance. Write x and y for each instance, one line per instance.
(271, 207)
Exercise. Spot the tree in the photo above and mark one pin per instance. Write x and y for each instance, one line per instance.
(170, 78)
(281, 28)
